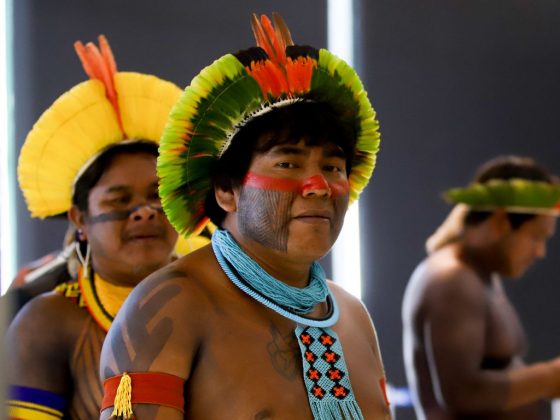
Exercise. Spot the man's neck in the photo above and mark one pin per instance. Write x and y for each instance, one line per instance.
(479, 259)
(129, 278)
(280, 265)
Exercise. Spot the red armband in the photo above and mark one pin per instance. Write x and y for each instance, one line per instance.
(142, 388)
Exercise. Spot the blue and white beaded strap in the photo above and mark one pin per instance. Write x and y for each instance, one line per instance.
(326, 375)
(301, 320)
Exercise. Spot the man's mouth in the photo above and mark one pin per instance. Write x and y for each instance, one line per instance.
(143, 235)
(139, 237)
(314, 216)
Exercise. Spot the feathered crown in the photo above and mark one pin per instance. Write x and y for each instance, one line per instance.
(239, 87)
(109, 108)
(513, 195)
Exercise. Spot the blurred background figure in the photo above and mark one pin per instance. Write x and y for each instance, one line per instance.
(463, 340)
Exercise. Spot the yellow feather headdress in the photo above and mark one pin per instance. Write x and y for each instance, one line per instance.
(109, 108)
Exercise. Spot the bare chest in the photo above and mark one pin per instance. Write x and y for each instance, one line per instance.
(251, 367)
(504, 338)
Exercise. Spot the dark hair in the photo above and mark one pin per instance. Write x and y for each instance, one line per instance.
(93, 173)
(508, 167)
(315, 123)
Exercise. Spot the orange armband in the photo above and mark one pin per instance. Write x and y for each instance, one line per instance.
(155, 388)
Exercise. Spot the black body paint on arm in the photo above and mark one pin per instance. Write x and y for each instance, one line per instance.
(145, 345)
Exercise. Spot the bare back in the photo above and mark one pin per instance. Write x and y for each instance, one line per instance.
(239, 358)
(461, 337)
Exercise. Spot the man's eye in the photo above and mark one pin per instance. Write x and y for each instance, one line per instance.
(118, 201)
(154, 197)
(287, 165)
(333, 168)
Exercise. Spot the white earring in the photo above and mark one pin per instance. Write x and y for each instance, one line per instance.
(83, 260)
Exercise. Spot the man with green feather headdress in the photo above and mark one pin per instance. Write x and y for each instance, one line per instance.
(463, 340)
(271, 144)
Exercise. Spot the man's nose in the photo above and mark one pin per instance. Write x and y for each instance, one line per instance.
(316, 185)
(145, 211)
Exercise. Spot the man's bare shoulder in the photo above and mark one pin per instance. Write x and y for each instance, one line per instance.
(164, 319)
(49, 312)
(346, 301)
(41, 339)
(443, 270)
(187, 281)
(351, 308)
(443, 282)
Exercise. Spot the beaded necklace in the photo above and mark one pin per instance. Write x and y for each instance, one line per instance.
(102, 299)
(325, 373)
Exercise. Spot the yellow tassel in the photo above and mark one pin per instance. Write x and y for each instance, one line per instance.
(123, 399)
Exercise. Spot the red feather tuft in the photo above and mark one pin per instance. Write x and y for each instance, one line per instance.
(279, 75)
(299, 73)
(107, 54)
(272, 38)
(99, 64)
(276, 47)
(270, 78)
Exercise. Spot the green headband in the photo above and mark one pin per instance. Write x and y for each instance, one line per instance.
(513, 195)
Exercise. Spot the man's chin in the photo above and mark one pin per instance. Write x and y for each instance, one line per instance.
(311, 253)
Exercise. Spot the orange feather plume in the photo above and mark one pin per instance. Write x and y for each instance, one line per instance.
(270, 39)
(99, 64)
(280, 74)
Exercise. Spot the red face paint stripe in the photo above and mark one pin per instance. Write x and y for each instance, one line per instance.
(318, 182)
(315, 182)
(263, 182)
(339, 188)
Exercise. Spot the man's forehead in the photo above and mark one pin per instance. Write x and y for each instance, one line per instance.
(302, 148)
(119, 186)
(125, 164)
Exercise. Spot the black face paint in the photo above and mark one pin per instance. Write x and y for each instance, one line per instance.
(264, 216)
(117, 215)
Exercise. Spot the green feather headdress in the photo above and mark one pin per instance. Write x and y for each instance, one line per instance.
(513, 195)
(237, 88)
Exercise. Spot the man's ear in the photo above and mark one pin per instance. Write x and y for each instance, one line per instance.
(225, 199)
(78, 219)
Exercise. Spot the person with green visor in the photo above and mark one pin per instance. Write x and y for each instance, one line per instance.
(463, 340)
